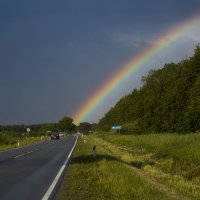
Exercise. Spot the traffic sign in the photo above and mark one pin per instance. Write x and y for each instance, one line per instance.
(116, 127)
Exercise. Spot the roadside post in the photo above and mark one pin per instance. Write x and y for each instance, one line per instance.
(28, 131)
(18, 143)
(94, 151)
(84, 140)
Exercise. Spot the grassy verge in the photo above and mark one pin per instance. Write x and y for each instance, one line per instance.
(182, 151)
(106, 176)
(22, 142)
(173, 160)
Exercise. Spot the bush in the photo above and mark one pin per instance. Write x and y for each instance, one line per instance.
(8, 138)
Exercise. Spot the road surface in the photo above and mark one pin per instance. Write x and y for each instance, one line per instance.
(27, 173)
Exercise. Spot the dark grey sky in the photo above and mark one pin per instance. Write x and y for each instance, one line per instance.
(55, 54)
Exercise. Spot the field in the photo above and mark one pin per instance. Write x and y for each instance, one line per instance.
(181, 152)
(134, 167)
(10, 140)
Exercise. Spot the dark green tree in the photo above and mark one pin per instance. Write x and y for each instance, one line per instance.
(85, 127)
(168, 101)
(66, 124)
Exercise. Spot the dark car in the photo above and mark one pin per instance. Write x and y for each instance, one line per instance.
(55, 136)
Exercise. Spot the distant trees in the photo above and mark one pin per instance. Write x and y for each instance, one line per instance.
(15, 128)
(36, 129)
(46, 129)
(168, 101)
(66, 124)
(85, 127)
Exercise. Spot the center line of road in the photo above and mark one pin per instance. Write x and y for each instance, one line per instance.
(31, 151)
(19, 156)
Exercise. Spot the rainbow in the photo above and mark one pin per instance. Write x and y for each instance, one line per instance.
(125, 71)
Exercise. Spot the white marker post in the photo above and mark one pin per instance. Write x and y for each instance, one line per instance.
(84, 140)
(28, 130)
(18, 143)
(94, 151)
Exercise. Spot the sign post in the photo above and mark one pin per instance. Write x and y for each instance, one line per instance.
(116, 128)
(28, 131)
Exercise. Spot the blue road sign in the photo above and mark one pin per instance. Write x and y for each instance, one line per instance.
(116, 127)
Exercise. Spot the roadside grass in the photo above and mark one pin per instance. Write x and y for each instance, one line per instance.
(181, 151)
(104, 177)
(172, 159)
(12, 142)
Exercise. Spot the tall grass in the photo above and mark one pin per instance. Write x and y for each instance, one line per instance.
(183, 150)
(104, 177)
(8, 138)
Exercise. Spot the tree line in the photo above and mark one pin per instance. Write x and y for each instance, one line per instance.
(167, 101)
(65, 124)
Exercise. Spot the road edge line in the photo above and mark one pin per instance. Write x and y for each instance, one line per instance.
(56, 179)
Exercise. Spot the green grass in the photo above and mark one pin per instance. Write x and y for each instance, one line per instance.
(172, 159)
(12, 142)
(182, 149)
(106, 177)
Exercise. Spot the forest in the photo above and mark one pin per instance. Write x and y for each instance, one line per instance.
(167, 101)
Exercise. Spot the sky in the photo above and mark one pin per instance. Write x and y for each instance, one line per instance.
(54, 54)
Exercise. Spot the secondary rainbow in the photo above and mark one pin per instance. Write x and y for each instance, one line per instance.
(125, 71)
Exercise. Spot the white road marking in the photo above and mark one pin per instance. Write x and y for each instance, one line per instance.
(19, 156)
(53, 184)
(31, 151)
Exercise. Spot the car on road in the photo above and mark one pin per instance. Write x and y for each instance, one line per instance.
(55, 136)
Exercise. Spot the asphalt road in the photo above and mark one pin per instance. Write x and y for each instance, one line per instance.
(27, 173)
